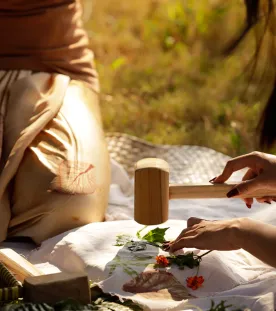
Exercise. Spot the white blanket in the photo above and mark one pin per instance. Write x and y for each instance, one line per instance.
(236, 275)
(92, 249)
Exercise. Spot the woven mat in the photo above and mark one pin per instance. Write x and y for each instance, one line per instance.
(188, 164)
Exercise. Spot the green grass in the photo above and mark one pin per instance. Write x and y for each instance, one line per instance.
(162, 76)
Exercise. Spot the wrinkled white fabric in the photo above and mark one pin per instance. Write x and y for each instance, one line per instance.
(92, 249)
(236, 275)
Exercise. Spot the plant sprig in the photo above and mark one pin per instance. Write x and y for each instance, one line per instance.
(189, 260)
(222, 307)
(155, 237)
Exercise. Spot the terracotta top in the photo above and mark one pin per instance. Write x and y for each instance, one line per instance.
(46, 35)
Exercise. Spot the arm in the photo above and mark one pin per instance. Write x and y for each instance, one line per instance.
(255, 237)
(258, 239)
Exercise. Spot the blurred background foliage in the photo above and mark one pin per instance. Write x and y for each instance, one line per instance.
(162, 75)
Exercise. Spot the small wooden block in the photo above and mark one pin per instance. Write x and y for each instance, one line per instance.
(18, 265)
(56, 287)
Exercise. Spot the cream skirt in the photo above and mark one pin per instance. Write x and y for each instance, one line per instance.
(54, 160)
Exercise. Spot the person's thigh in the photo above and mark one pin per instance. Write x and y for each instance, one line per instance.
(63, 180)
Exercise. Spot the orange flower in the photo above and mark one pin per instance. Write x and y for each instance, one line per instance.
(162, 261)
(194, 282)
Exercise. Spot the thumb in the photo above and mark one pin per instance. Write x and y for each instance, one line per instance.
(245, 187)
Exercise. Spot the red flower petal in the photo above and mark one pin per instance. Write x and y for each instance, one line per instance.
(194, 282)
(162, 261)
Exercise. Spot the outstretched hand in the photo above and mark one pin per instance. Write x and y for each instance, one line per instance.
(261, 174)
(208, 235)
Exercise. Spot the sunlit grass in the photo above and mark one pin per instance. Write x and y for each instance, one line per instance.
(162, 76)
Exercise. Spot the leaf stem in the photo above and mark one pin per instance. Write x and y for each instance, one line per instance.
(206, 253)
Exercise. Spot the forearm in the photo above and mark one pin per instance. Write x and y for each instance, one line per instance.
(259, 239)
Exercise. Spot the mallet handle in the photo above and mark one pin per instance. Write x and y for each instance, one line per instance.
(209, 191)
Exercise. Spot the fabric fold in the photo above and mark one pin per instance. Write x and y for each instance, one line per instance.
(44, 94)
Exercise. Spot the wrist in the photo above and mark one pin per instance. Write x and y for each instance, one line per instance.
(241, 229)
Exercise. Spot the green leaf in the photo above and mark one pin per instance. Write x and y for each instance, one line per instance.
(122, 239)
(138, 234)
(189, 260)
(28, 307)
(69, 305)
(156, 235)
(221, 306)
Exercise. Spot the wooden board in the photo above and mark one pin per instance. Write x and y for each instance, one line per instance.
(18, 265)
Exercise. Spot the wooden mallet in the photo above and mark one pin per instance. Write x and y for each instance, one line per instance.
(153, 191)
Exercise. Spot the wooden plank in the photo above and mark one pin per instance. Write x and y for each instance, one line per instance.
(18, 265)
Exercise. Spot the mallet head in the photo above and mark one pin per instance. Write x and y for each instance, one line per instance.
(151, 198)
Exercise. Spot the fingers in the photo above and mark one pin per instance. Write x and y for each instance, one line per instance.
(245, 187)
(190, 223)
(250, 160)
(186, 232)
(248, 202)
(188, 242)
(266, 200)
(250, 174)
(193, 221)
(187, 236)
(189, 231)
